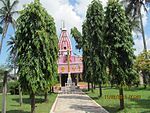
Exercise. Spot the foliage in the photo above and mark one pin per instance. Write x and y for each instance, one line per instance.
(37, 51)
(6, 15)
(142, 63)
(94, 24)
(77, 36)
(2, 70)
(119, 42)
(11, 86)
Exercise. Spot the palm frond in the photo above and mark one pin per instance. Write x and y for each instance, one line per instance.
(8, 4)
(2, 10)
(6, 16)
(11, 44)
(2, 21)
(4, 2)
(1, 30)
(14, 4)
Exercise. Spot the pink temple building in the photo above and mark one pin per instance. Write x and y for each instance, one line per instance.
(67, 62)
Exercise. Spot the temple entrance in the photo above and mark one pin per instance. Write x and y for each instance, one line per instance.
(64, 79)
(65, 76)
(74, 78)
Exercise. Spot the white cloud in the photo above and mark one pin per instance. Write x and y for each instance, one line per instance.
(139, 44)
(144, 16)
(75, 15)
(63, 10)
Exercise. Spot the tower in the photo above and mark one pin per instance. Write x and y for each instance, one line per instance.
(64, 42)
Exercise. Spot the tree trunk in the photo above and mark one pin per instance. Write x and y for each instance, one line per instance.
(143, 34)
(92, 87)
(121, 97)
(100, 89)
(52, 89)
(3, 35)
(45, 97)
(20, 96)
(88, 86)
(144, 79)
(32, 96)
(4, 92)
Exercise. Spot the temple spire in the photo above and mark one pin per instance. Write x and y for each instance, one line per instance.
(63, 25)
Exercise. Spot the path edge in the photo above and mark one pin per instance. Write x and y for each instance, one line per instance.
(54, 105)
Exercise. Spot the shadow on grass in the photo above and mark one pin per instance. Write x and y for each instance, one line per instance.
(137, 89)
(146, 111)
(17, 111)
(143, 103)
(114, 109)
(27, 100)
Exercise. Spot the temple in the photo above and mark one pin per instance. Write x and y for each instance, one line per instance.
(69, 65)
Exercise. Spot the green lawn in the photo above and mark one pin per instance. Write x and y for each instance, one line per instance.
(140, 103)
(14, 107)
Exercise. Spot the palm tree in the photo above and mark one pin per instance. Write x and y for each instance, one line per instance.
(133, 10)
(6, 16)
(13, 52)
(13, 57)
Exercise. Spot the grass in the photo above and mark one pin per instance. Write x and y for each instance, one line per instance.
(138, 103)
(41, 107)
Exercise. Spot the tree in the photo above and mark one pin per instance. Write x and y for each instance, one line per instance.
(119, 42)
(94, 23)
(92, 44)
(83, 44)
(37, 50)
(6, 15)
(4, 72)
(143, 65)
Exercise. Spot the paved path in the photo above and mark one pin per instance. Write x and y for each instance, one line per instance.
(78, 102)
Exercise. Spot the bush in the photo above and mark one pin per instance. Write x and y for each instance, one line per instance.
(13, 88)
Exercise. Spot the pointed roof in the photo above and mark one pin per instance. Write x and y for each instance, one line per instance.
(64, 40)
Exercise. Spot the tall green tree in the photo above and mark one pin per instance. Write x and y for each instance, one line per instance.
(119, 41)
(94, 23)
(37, 50)
(6, 15)
(83, 43)
(92, 44)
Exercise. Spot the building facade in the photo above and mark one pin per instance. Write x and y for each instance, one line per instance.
(68, 64)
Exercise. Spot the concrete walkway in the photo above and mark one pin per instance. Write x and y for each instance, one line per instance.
(77, 102)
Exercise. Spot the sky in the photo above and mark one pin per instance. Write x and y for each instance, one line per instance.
(73, 12)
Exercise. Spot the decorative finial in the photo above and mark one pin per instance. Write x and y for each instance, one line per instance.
(63, 25)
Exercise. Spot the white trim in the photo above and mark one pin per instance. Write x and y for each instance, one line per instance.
(54, 105)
